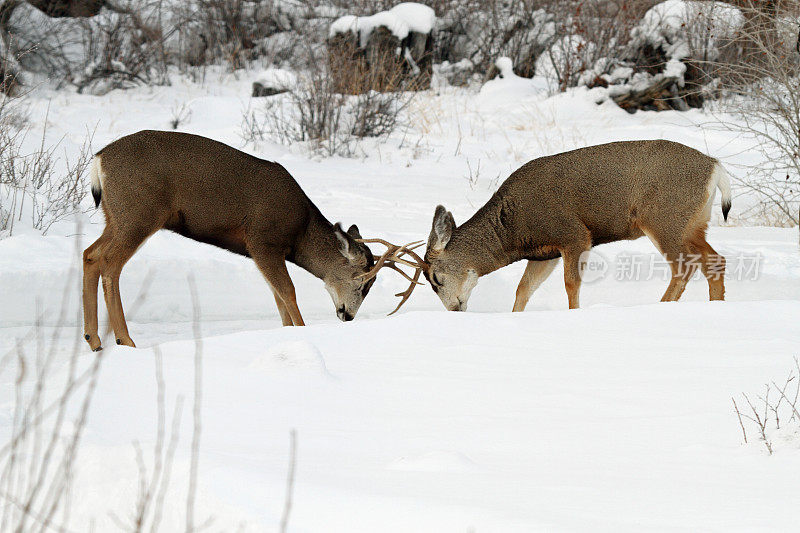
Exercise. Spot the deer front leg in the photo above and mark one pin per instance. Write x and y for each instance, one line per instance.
(572, 272)
(535, 274)
(272, 264)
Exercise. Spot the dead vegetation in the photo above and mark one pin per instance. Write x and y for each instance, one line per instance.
(774, 411)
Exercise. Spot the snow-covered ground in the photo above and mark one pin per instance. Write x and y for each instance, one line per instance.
(614, 417)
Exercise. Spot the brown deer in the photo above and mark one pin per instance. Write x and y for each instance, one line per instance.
(212, 193)
(563, 205)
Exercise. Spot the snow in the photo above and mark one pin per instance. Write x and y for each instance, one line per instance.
(277, 78)
(418, 17)
(401, 19)
(614, 417)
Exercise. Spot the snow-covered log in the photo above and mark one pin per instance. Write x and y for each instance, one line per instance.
(68, 8)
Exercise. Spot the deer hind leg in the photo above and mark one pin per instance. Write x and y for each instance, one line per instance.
(683, 261)
(286, 318)
(682, 271)
(91, 277)
(115, 255)
(712, 265)
(272, 265)
(535, 274)
(681, 255)
(117, 251)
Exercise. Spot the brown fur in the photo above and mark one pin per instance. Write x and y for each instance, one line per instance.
(212, 193)
(563, 205)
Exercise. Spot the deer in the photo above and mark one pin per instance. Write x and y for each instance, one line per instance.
(213, 193)
(560, 206)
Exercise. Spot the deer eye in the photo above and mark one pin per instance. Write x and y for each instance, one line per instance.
(435, 281)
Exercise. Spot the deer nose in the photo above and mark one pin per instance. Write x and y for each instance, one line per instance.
(462, 306)
(343, 315)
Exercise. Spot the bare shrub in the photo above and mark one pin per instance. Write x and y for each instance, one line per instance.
(37, 463)
(122, 45)
(761, 94)
(236, 32)
(121, 49)
(484, 30)
(317, 112)
(765, 413)
(35, 181)
(592, 40)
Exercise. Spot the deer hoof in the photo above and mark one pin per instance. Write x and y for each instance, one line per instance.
(126, 342)
(93, 340)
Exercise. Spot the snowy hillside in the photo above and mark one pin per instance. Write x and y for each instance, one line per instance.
(614, 417)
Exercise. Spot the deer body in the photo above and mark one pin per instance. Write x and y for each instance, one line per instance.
(563, 205)
(213, 193)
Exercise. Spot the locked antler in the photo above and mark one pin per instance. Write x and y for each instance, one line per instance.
(394, 256)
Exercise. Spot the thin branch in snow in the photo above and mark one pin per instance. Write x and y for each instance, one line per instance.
(287, 505)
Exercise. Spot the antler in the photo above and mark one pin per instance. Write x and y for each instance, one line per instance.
(394, 256)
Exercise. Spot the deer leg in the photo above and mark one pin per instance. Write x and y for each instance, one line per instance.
(286, 318)
(683, 264)
(91, 277)
(533, 277)
(119, 249)
(713, 267)
(572, 273)
(272, 265)
(682, 258)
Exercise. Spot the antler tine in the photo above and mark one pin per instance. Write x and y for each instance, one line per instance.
(394, 267)
(420, 262)
(407, 294)
(394, 255)
(391, 249)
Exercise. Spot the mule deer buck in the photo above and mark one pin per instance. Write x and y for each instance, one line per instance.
(563, 205)
(212, 193)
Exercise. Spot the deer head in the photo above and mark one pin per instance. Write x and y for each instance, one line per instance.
(347, 284)
(450, 274)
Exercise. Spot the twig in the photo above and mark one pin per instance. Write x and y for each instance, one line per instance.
(197, 408)
(287, 504)
(741, 423)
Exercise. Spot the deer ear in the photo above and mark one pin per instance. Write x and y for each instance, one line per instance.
(441, 230)
(347, 246)
(353, 232)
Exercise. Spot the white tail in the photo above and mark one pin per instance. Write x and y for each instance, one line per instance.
(721, 179)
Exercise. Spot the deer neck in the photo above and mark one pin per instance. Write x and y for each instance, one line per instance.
(317, 250)
(486, 239)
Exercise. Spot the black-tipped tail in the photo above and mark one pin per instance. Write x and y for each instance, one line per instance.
(97, 183)
(97, 194)
(726, 207)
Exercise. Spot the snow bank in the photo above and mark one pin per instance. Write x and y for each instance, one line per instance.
(401, 19)
(292, 356)
(441, 421)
